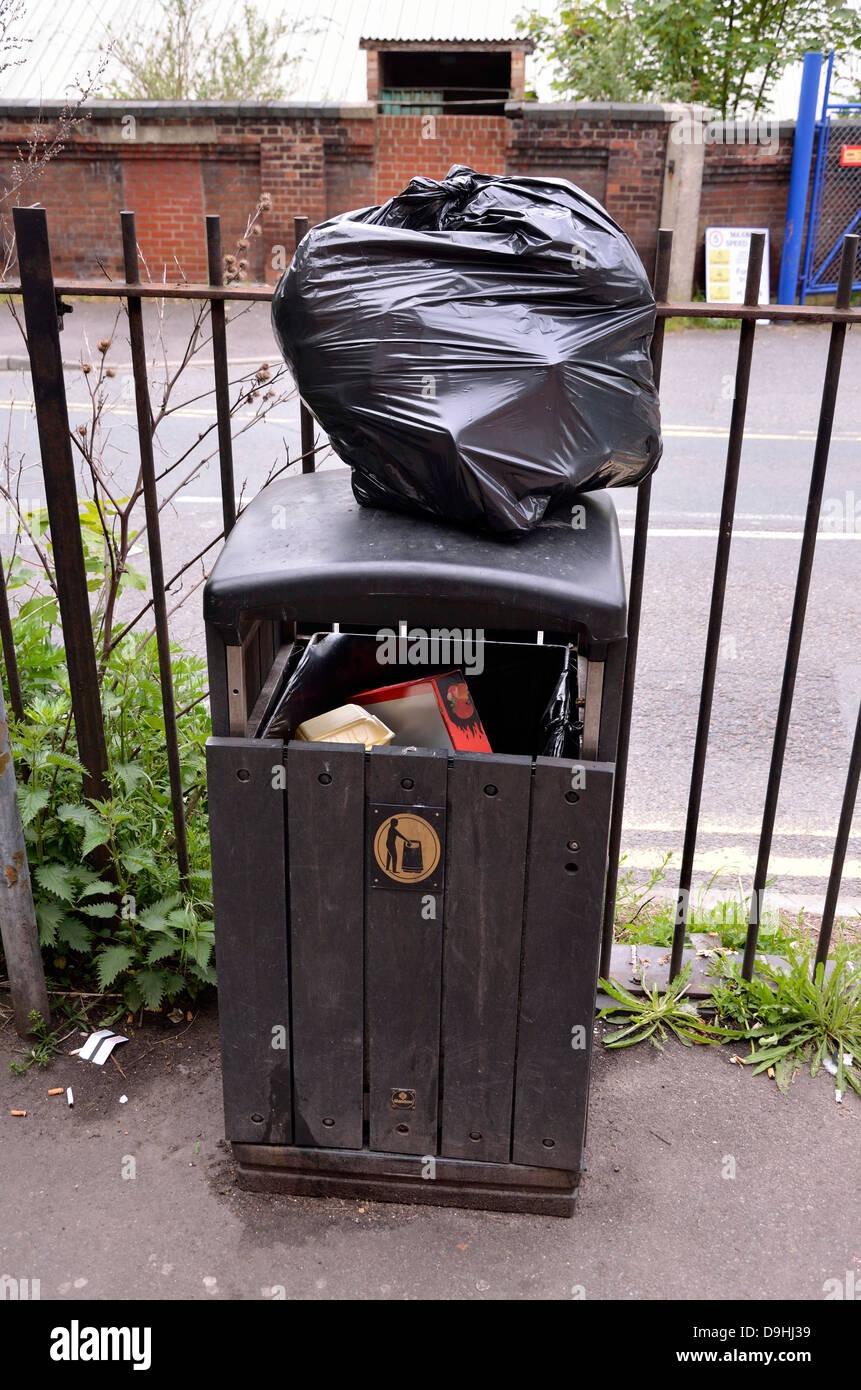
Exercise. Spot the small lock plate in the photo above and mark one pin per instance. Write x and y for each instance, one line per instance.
(403, 1100)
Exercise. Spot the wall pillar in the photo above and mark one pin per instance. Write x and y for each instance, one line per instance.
(293, 173)
(682, 190)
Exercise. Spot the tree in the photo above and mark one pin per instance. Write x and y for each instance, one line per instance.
(726, 55)
(188, 58)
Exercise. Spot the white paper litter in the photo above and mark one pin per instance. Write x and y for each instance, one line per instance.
(99, 1046)
(123, 1100)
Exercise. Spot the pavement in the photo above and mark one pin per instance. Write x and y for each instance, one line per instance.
(703, 1183)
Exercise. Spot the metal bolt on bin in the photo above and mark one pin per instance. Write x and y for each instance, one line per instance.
(426, 1040)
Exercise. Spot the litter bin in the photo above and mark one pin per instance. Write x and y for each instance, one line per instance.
(423, 1035)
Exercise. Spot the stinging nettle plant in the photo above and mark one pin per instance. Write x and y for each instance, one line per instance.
(109, 900)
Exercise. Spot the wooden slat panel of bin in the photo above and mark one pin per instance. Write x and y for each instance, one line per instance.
(488, 825)
(403, 967)
(269, 688)
(326, 810)
(249, 892)
(405, 1178)
(560, 960)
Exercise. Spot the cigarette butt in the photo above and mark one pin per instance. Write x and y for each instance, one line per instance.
(20, 1113)
(56, 1091)
(69, 1097)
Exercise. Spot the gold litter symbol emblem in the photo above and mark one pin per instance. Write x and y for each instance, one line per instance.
(407, 848)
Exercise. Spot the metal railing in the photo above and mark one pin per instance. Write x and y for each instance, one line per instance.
(42, 297)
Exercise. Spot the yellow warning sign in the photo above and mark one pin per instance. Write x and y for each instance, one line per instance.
(727, 254)
(407, 848)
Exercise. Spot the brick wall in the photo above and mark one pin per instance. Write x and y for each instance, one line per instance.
(618, 159)
(430, 145)
(166, 195)
(83, 191)
(173, 164)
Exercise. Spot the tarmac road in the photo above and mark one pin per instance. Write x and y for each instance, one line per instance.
(697, 399)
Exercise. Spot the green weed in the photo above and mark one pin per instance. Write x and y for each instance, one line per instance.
(45, 1044)
(654, 1016)
(796, 1015)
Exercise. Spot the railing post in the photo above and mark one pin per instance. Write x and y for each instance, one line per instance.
(635, 600)
(799, 180)
(52, 418)
(844, 827)
(10, 658)
(799, 603)
(222, 379)
(746, 336)
(156, 565)
(17, 913)
(306, 419)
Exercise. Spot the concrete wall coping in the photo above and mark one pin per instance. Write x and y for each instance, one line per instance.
(191, 110)
(664, 113)
(587, 110)
(34, 109)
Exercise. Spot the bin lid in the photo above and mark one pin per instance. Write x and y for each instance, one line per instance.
(305, 549)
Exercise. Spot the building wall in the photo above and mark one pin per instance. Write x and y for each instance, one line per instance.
(173, 164)
(430, 145)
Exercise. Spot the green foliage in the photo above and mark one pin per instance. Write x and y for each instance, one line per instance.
(190, 57)
(41, 1050)
(632, 896)
(796, 1015)
(647, 918)
(104, 872)
(654, 1016)
(726, 55)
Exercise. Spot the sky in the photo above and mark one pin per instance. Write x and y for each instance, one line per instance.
(67, 38)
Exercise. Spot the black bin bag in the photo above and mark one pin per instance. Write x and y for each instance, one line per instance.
(477, 349)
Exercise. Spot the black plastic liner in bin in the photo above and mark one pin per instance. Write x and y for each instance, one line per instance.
(525, 695)
(476, 348)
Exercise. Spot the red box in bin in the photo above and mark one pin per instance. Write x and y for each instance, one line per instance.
(434, 712)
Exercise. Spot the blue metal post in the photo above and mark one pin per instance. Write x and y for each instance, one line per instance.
(799, 179)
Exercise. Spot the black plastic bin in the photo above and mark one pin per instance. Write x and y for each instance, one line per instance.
(426, 1035)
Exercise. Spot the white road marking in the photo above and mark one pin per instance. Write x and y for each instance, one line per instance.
(709, 828)
(706, 432)
(118, 407)
(179, 412)
(655, 514)
(659, 532)
(733, 860)
(699, 532)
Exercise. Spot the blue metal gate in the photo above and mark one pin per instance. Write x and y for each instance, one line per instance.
(835, 199)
